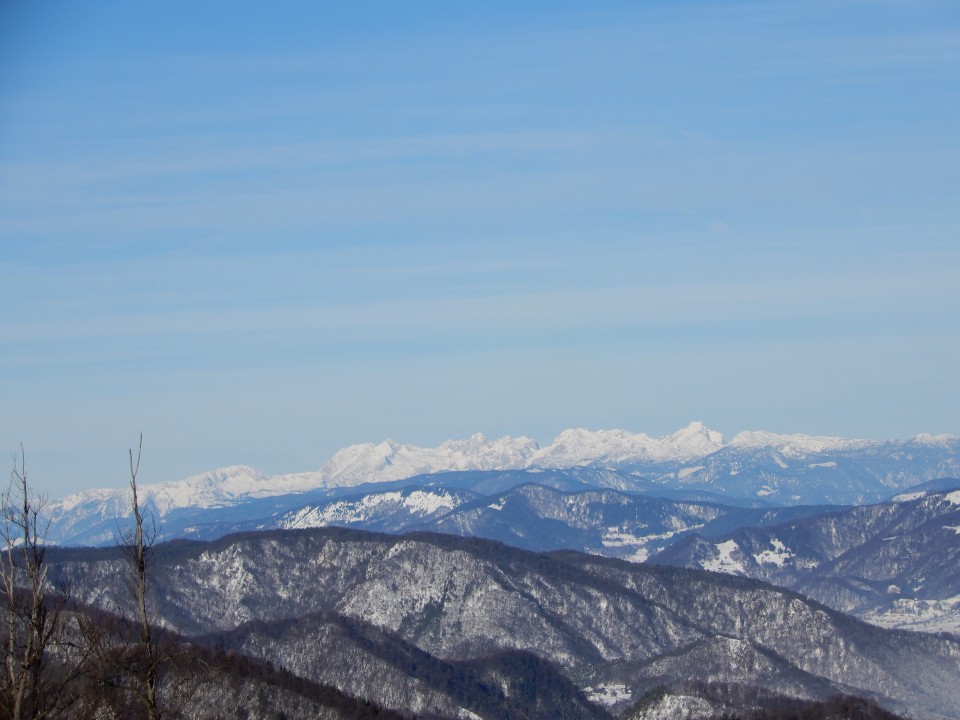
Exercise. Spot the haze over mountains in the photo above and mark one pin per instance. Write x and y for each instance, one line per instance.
(755, 466)
(762, 505)
(541, 608)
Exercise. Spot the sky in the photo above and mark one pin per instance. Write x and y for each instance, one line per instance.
(258, 233)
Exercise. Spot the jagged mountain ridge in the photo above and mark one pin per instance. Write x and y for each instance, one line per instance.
(780, 469)
(896, 564)
(460, 599)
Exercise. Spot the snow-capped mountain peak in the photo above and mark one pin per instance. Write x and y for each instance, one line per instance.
(762, 463)
(933, 440)
(695, 440)
(797, 445)
(579, 446)
(392, 461)
(615, 447)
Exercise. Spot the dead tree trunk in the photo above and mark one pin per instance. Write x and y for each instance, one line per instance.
(139, 546)
(31, 617)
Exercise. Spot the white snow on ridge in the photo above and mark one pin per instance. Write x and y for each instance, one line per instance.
(582, 447)
(218, 488)
(392, 461)
(345, 512)
(422, 502)
(793, 445)
(389, 460)
(933, 440)
(579, 446)
(342, 512)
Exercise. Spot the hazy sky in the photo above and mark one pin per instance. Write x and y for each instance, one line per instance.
(258, 232)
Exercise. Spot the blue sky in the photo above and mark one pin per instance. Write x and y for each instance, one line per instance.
(261, 233)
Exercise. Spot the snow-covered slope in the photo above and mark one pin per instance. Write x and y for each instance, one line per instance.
(793, 445)
(617, 628)
(392, 461)
(617, 447)
(779, 469)
(894, 564)
(386, 511)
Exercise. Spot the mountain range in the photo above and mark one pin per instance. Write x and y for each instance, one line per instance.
(753, 466)
(606, 574)
(462, 627)
(890, 563)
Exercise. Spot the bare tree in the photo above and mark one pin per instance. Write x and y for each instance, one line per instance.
(32, 608)
(138, 544)
(122, 639)
(62, 659)
(163, 676)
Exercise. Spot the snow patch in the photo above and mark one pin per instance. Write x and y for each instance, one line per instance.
(687, 707)
(347, 512)
(953, 498)
(907, 497)
(777, 556)
(725, 562)
(615, 537)
(608, 695)
(924, 615)
(421, 502)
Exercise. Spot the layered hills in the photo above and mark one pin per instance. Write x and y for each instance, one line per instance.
(895, 564)
(757, 466)
(462, 627)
